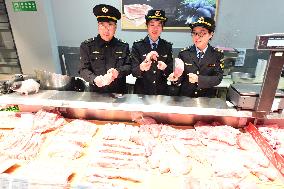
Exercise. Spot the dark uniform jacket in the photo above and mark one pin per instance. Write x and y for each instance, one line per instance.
(98, 56)
(153, 81)
(209, 71)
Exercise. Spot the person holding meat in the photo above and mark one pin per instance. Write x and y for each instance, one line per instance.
(151, 57)
(105, 60)
(201, 64)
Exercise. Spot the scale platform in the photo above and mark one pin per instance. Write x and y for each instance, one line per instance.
(244, 96)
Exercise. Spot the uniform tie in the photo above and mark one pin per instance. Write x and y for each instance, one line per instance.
(154, 45)
(200, 54)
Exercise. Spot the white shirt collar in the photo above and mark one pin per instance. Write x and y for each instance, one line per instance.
(151, 41)
(204, 51)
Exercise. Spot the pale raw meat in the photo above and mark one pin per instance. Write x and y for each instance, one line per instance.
(198, 183)
(136, 11)
(181, 148)
(246, 142)
(119, 131)
(28, 86)
(46, 121)
(224, 134)
(179, 67)
(180, 165)
(145, 120)
(153, 129)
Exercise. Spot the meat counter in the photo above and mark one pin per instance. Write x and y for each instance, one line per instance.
(98, 148)
(117, 107)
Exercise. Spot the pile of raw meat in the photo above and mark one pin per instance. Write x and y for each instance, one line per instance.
(275, 137)
(205, 156)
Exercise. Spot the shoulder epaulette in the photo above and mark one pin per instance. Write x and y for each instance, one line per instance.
(138, 40)
(168, 42)
(122, 41)
(186, 48)
(89, 40)
(217, 49)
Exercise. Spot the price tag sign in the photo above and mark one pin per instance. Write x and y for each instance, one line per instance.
(24, 6)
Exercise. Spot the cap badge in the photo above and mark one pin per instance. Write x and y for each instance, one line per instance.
(157, 13)
(105, 10)
(201, 19)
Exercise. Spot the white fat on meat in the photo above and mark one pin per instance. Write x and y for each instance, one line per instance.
(153, 129)
(118, 131)
(181, 148)
(80, 127)
(224, 134)
(246, 142)
(228, 165)
(265, 174)
(146, 140)
(126, 175)
(199, 183)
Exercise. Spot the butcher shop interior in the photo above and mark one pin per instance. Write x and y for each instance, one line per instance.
(56, 133)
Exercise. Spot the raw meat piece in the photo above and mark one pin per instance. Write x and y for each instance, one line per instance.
(197, 183)
(179, 67)
(146, 140)
(121, 175)
(145, 120)
(181, 148)
(180, 165)
(244, 184)
(46, 121)
(119, 131)
(26, 87)
(265, 174)
(246, 142)
(153, 129)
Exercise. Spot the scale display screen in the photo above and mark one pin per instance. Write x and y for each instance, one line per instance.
(274, 42)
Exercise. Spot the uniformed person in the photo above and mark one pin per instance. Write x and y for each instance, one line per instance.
(104, 60)
(151, 57)
(203, 64)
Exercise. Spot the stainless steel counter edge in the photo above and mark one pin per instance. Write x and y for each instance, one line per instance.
(127, 102)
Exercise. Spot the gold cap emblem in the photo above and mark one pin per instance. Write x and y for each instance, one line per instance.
(104, 9)
(157, 13)
(201, 19)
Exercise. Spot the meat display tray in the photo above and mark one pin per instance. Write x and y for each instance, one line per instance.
(276, 159)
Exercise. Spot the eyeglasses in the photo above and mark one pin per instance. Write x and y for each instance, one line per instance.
(106, 26)
(200, 34)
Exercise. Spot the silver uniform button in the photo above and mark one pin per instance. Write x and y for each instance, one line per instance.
(197, 72)
(195, 93)
(154, 82)
(154, 71)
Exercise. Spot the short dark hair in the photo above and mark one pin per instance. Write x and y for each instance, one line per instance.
(147, 22)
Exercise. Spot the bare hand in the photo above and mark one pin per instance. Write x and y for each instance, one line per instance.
(113, 72)
(99, 81)
(153, 55)
(161, 65)
(192, 78)
(145, 66)
(107, 79)
(172, 77)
